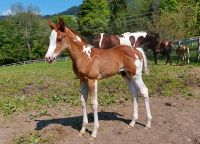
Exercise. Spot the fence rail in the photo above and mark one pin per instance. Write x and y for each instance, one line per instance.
(30, 62)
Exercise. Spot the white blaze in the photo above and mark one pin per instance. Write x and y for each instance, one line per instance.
(52, 45)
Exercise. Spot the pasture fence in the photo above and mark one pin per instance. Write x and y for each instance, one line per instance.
(30, 62)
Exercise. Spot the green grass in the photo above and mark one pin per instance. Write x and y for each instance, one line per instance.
(35, 86)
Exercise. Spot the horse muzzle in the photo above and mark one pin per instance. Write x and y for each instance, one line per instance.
(49, 58)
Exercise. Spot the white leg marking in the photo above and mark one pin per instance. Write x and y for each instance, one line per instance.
(144, 92)
(133, 91)
(94, 103)
(84, 95)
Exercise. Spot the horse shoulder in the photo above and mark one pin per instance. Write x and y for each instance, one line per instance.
(126, 50)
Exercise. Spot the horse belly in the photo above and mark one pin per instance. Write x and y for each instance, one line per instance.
(109, 67)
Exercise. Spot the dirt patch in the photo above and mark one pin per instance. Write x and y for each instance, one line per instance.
(175, 120)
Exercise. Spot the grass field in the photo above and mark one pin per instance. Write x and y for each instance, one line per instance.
(36, 86)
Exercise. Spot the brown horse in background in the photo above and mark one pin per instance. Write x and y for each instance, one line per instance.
(165, 48)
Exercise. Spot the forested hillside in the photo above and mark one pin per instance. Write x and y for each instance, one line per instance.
(24, 34)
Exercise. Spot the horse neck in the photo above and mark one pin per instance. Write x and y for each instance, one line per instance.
(76, 46)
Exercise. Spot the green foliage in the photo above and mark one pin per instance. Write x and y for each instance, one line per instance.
(118, 16)
(69, 20)
(168, 5)
(23, 36)
(10, 43)
(178, 24)
(94, 16)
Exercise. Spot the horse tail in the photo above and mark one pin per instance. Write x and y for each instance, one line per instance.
(144, 67)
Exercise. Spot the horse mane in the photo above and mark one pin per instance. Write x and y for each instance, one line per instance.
(76, 33)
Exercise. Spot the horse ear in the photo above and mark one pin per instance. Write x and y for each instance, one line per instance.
(61, 24)
(52, 26)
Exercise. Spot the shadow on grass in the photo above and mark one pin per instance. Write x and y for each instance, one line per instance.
(76, 122)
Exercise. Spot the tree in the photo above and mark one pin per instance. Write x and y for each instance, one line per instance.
(94, 17)
(118, 16)
(178, 24)
(11, 43)
(26, 21)
(168, 5)
(139, 14)
(69, 20)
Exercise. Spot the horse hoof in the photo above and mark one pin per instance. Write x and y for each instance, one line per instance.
(147, 127)
(92, 138)
(131, 125)
(81, 133)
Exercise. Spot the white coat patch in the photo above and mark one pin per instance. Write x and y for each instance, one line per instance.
(125, 40)
(87, 50)
(77, 39)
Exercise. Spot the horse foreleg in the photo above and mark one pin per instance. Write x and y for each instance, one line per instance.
(84, 95)
(94, 102)
(178, 59)
(144, 92)
(155, 58)
(168, 60)
(133, 92)
(188, 60)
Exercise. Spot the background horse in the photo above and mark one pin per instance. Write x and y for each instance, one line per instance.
(92, 64)
(165, 48)
(151, 41)
(184, 52)
(136, 39)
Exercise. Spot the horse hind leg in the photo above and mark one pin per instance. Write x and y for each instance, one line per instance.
(133, 92)
(144, 92)
(94, 102)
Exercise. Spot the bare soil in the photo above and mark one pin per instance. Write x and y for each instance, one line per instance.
(175, 121)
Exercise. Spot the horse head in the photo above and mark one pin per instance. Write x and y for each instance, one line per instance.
(56, 40)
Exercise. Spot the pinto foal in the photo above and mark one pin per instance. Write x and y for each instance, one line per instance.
(92, 64)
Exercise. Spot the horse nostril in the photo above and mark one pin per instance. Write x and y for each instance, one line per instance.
(49, 58)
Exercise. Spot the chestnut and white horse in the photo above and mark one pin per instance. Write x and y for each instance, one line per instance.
(92, 64)
(183, 52)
